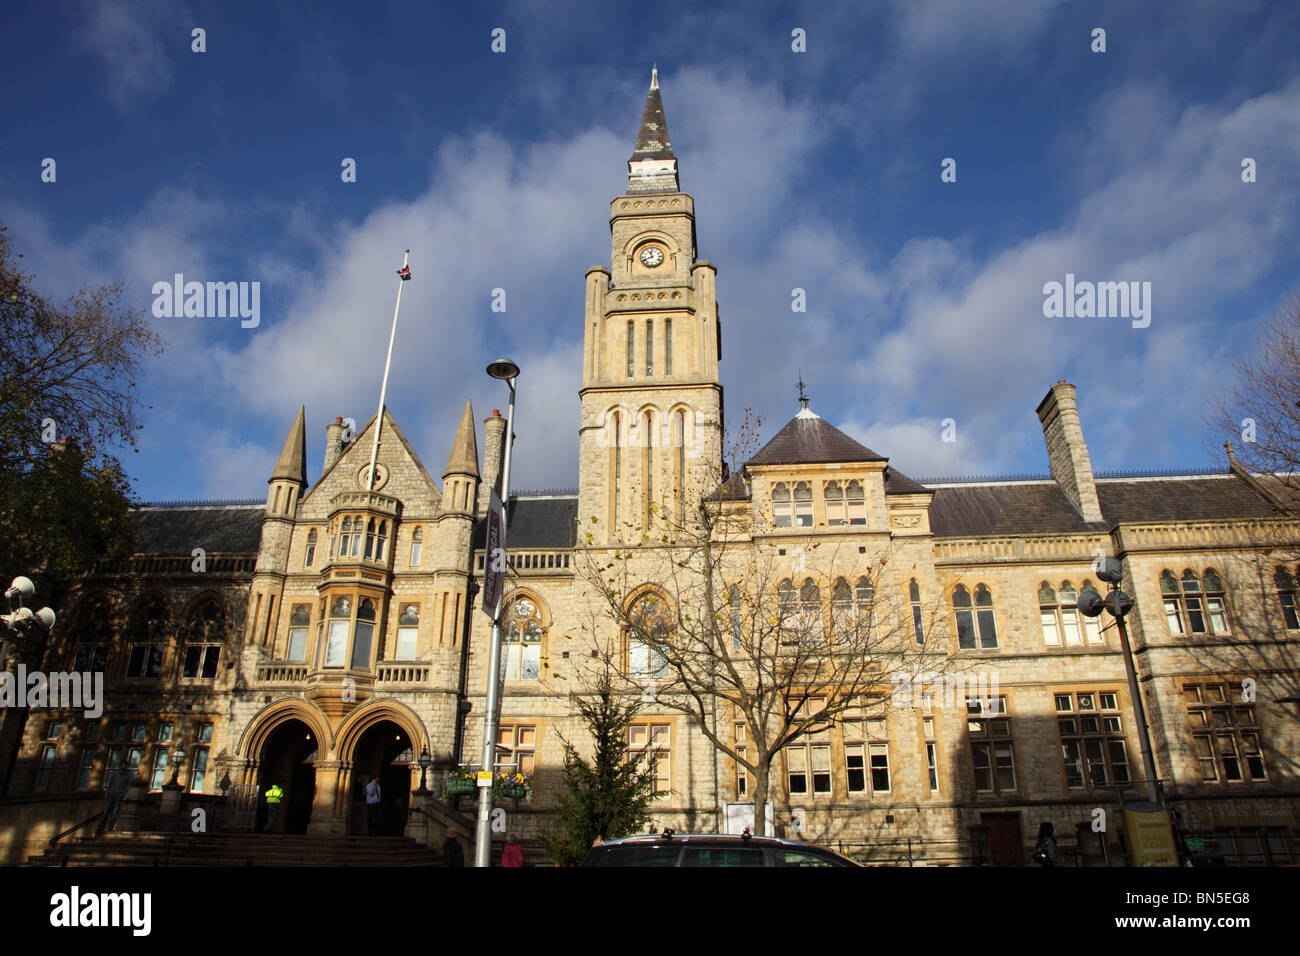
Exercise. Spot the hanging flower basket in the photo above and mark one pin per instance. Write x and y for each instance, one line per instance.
(459, 782)
(511, 786)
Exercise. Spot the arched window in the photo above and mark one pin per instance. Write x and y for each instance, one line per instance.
(203, 639)
(94, 635)
(810, 612)
(788, 611)
(1191, 609)
(345, 537)
(1286, 596)
(668, 346)
(842, 608)
(918, 625)
(679, 443)
(803, 512)
(1215, 604)
(299, 620)
(737, 626)
(618, 449)
(648, 639)
(522, 645)
(417, 545)
(864, 599)
(782, 514)
(834, 504)
(311, 548)
(631, 348)
(974, 625)
(1061, 621)
(370, 539)
(336, 647)
(148, 640)
(408, 632)
(648, 467)
(364, 635)
(856, 500)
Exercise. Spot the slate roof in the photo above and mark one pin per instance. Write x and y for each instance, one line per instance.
(230, 529)
(652, 139)
(1040, 507)
(537, 523)
(809, 438)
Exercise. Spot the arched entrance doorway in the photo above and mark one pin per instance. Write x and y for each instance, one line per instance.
(288, 759)
(384, 751)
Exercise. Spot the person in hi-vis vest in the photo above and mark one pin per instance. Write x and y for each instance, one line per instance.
(273, 797)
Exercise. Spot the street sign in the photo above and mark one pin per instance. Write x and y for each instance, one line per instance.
(1195, 843)
(494, 556)
(1149, 835)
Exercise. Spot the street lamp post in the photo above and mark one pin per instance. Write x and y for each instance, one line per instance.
(22, 620)
(505, 370)
(425, 760)
(1119, 604)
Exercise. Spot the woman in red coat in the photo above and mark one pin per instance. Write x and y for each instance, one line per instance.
(513, 854)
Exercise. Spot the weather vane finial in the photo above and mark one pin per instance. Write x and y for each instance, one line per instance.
(803, 399)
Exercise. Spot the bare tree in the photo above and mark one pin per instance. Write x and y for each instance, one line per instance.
(1259, 415)
(732, 633)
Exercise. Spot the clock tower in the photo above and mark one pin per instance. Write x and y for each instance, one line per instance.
(651, 432)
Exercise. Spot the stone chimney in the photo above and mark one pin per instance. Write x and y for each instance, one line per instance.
(333, 442)
(1067, 453)
(494, 443)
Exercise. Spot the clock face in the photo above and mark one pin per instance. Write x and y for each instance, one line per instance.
(651, 256)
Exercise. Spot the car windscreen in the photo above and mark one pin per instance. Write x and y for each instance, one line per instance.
(722, 856)
(636, 854)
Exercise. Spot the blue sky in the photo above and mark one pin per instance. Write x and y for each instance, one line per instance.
(817, 170)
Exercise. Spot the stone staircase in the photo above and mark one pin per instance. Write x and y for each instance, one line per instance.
(236, 849)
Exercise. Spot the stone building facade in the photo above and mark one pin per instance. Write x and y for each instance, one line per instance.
(332, 633)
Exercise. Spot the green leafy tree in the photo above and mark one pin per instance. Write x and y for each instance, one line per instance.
(609, 795)
(67, 396)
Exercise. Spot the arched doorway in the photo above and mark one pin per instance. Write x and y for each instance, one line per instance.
(384, 751)
(288, 758)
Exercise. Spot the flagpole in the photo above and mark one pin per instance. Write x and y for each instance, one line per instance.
(383, 386)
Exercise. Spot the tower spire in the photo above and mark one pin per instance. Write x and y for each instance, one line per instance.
(292, 465)
(464, 447)
(653, 167)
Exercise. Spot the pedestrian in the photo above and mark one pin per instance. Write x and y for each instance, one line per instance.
(513, 854)
(273, 797)
(374, 808)
(452, 854)
(1045, 851)
(115, 787)
(598, 841)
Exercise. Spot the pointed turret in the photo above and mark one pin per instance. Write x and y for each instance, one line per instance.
(460, 480)
(293, 457)
(464, 449)
(653, 167)
(289, 478)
